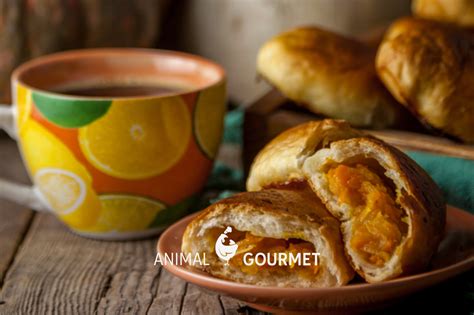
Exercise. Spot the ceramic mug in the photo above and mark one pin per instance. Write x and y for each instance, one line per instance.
(122, 166)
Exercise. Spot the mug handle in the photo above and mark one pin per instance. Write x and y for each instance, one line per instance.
(25, 195)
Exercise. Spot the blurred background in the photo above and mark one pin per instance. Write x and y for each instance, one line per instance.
(227, 31)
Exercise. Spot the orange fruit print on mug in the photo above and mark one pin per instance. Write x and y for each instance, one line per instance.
(122, 165)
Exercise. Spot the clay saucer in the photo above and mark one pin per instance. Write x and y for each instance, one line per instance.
(455, 255)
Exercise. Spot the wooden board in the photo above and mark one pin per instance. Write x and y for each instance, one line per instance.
(273, 113)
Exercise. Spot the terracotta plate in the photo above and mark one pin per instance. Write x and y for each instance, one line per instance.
(455, 255)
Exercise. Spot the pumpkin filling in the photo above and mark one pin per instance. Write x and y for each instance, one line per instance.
(377, 222)
(281, 255)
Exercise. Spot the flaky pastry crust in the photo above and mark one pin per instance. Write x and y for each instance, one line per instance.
(330, 75)
(416, 194)
(429, 67)
(274, 213)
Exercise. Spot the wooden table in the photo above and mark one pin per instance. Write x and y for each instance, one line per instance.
(45, 269)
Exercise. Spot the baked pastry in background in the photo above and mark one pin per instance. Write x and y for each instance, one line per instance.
(271, 221)
(429, 67)
(330, 75)
(460, 12)
(392, 213)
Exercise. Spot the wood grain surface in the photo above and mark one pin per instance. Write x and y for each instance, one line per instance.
(45, 269)
(14, 219)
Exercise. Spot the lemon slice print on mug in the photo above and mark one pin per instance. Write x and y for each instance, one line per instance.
(62, 181)
(126, 213)
(63, 190)
(138, 139)
(208, 119)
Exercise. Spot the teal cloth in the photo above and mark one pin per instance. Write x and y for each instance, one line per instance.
(234, 123)
(455, 176)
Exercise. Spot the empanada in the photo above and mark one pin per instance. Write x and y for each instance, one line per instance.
(460, 12)
(392, 213)
(429, 67)
(330, 75)
(270, 221)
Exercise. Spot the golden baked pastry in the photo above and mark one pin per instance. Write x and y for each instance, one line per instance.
(392, 213)
(281, 160)
(330, 75)
(460, 12)
(270, 221)
(429, 67)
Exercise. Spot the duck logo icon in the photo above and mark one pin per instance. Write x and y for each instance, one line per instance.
(225, 252)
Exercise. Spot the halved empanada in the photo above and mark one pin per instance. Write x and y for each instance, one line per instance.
(270, 221)
(392, 213)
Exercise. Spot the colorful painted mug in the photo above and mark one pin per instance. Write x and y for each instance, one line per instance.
(115, 167)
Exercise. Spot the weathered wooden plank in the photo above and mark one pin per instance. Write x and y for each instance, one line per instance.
(134, 279)
(56, 271)
(174, 296)
(197, 301)
(234, 307)
(13, 225)
(51, 271)
(14, 219)
(169, 295)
